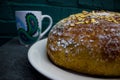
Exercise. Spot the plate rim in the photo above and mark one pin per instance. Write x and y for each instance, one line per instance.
(32, 63)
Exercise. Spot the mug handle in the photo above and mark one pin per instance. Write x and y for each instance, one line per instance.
(49, 26)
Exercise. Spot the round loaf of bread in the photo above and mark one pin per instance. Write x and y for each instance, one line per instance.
(87, 42)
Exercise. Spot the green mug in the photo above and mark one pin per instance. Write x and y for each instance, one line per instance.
(29, 26)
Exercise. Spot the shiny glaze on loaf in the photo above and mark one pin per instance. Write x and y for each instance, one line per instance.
(97, 32)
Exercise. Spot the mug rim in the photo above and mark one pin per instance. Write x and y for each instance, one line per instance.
(27, 11)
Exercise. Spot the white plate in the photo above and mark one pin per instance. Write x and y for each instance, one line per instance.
(37, 56)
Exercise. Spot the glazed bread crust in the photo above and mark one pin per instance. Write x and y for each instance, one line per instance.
(87, 42)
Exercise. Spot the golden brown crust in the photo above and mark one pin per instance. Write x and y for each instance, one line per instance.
(87, 42)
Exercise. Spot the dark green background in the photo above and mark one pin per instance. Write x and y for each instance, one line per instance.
(57, 9)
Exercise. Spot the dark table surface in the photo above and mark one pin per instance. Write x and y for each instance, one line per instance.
(14, 64)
